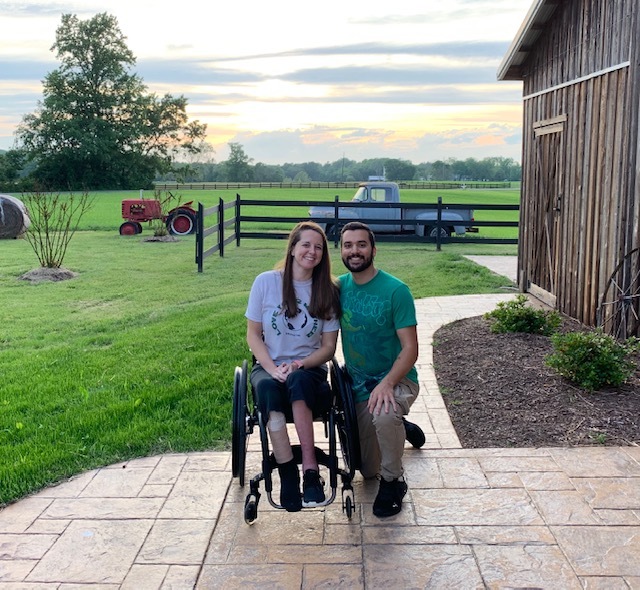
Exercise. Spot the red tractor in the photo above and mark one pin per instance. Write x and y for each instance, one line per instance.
(180, 221)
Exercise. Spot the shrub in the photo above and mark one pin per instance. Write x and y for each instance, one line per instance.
(516, 316)
(54, 221)
(592, 359)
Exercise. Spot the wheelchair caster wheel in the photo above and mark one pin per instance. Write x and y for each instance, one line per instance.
(348, 507)
(250, 509)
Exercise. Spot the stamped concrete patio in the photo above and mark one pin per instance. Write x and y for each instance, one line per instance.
(557, 518)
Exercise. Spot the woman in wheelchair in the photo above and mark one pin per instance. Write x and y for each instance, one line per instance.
(292, 330)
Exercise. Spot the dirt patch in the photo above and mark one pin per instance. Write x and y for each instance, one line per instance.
(499, 393)
(41, 274)
(161, 239)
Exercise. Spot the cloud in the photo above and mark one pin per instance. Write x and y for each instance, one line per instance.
(25, 69)
(330, 143)
(462, 144)
(189, 71)
(398, 75)
(451, 49)
(33, 10)
(456, 11)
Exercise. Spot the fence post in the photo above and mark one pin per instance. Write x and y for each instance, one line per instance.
(199, 236)
(237, 226)
(336, 228)
(221, 227)
(438, 223)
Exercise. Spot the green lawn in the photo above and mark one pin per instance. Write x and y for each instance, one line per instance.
(135, 356)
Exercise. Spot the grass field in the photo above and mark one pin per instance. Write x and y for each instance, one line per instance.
(135, 356)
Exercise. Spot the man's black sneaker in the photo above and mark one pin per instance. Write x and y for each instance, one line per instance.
(389, 499)
(290, 498)
(413, 433)
(312, 488)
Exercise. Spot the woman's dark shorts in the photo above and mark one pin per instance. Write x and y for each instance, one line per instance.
(309, 385)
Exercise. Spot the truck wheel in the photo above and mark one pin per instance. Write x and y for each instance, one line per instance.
(129, 228)
(432, 232)
(181, 222)
(331, 233)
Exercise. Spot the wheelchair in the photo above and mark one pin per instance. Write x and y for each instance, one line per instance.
(340, 427)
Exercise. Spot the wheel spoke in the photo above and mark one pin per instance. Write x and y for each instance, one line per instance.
(619, 310)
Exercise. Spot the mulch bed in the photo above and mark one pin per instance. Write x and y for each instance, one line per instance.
(499, 393)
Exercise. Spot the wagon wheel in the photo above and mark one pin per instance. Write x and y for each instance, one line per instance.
(619, 311)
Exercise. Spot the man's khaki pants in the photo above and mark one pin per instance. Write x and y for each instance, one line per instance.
(382, 436)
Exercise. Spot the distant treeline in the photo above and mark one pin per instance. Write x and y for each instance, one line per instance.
(16, 177)
(240, 168)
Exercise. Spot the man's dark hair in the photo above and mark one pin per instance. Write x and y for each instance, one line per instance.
(355, 225)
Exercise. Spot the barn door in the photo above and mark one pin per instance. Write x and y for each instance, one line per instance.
(545, 222)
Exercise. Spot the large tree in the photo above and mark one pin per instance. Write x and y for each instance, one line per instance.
(97, 126)
(238, 166)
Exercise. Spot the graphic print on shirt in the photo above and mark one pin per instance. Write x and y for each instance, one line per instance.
(303, 324)
(363, 316)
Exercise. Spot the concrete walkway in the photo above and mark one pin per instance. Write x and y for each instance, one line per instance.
(558, 518)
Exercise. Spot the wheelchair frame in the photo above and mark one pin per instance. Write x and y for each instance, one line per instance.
(340, 418)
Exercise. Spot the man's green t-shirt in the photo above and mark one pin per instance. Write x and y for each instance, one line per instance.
(371, 314)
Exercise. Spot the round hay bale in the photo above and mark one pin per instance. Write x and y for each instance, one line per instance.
(14, 218)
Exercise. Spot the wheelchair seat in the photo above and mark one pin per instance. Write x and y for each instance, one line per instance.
(340, 427)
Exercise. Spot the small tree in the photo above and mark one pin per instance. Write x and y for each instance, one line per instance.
(54, 221)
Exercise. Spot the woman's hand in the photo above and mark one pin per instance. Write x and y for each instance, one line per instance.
(283, 371)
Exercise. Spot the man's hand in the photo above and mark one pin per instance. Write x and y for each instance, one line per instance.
(381, 398)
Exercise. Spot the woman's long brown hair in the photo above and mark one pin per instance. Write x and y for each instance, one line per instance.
(325, 296)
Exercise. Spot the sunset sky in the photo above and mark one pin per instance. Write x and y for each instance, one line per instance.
(298, 81)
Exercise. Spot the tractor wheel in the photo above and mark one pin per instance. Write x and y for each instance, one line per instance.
(130, 228)
(181, 222)
(332, 233)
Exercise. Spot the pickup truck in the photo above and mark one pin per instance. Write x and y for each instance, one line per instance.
(456, 221)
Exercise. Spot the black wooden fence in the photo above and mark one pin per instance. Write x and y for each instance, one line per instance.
(172, 186)
(269, 224)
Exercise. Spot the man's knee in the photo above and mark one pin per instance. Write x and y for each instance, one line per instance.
(385, 421)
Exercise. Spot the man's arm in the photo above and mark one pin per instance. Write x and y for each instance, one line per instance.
(382, 395)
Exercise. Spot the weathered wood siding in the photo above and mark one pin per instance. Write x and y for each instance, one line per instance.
(579, 211)
(584, 36)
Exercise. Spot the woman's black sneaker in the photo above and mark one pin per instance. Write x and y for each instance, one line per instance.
(312, 488)
(389, 499)
(290, 498)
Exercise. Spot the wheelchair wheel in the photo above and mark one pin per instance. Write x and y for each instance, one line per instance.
(241, 427)
(250, 509)
(346, 418)
(348, 507)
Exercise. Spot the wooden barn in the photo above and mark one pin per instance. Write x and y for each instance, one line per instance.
(579, 61)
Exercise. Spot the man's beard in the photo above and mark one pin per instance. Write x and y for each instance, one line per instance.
(362, 264)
